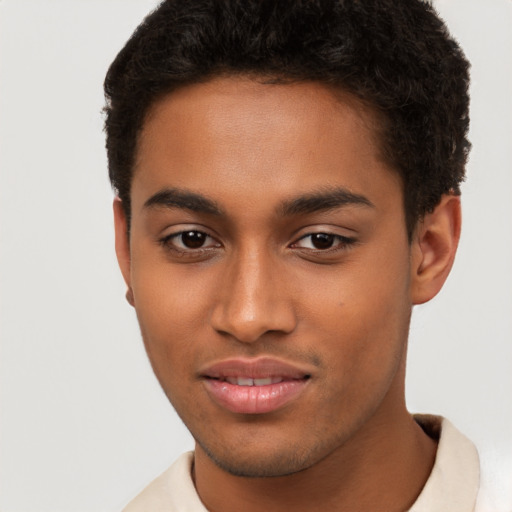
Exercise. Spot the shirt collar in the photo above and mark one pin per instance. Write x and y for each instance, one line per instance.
(454, 481)
(452, 485)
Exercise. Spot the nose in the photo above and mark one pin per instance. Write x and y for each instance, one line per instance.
(253, 300)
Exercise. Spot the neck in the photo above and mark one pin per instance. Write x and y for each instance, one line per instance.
(387, 462)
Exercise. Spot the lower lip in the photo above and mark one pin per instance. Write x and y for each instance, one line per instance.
(254, 399)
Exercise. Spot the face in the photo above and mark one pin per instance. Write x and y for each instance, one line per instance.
(269, 267)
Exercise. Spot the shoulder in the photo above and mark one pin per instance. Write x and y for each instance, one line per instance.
(471, 481)
(172, 491)
(454, 481)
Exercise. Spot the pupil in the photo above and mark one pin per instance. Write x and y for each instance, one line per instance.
(322, 240)
(193, 239)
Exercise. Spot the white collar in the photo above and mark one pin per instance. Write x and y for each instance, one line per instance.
(451, 487)
(454, 481)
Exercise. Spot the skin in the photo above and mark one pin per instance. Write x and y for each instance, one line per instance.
(259, 287)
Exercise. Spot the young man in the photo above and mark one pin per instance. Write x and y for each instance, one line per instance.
(288, 189)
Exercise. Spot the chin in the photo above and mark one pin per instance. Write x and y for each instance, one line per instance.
(277, 463)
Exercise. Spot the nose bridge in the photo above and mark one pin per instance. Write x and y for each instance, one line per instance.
(253, 300)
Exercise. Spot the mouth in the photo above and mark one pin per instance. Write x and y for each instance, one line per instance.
(247, 381)
(254, 386)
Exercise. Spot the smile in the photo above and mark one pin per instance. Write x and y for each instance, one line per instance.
(254, 386)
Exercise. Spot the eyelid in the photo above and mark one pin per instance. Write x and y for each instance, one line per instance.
(166, 241)
(327, 229)
(345, 239)
(341, 242)
(341, 238)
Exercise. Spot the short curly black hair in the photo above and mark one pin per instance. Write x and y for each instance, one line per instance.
(395, 55)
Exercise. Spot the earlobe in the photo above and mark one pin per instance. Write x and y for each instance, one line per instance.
(123, 246)
(433, 249)
(129, 297)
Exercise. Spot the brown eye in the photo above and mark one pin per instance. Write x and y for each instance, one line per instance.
(193, 239)
(322, 240)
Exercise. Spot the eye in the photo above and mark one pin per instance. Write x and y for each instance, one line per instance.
(318, 241)
(189, 240)
(323, 241)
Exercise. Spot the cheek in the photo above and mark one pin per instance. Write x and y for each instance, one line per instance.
(168, 297)
(364, 314)
(172, 310)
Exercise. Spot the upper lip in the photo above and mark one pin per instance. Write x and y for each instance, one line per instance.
(257, 368)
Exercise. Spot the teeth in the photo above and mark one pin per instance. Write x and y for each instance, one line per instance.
(242, 381)
(263, 382)
(245, 381)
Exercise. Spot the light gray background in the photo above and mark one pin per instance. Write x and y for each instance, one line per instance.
(83, 423)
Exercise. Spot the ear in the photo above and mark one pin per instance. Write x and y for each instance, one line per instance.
(123, 246)
(433, 249)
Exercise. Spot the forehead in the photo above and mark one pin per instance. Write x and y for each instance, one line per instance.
(243, 137)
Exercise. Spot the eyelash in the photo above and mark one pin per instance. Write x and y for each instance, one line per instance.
(343, 243)
(167, 243)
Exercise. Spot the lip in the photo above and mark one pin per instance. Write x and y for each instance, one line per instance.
(288, 382)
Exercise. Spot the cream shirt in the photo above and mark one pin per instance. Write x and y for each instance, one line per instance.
(451, 487)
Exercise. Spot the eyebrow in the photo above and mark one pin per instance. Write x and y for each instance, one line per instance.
(326, 199)
(183, 199)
